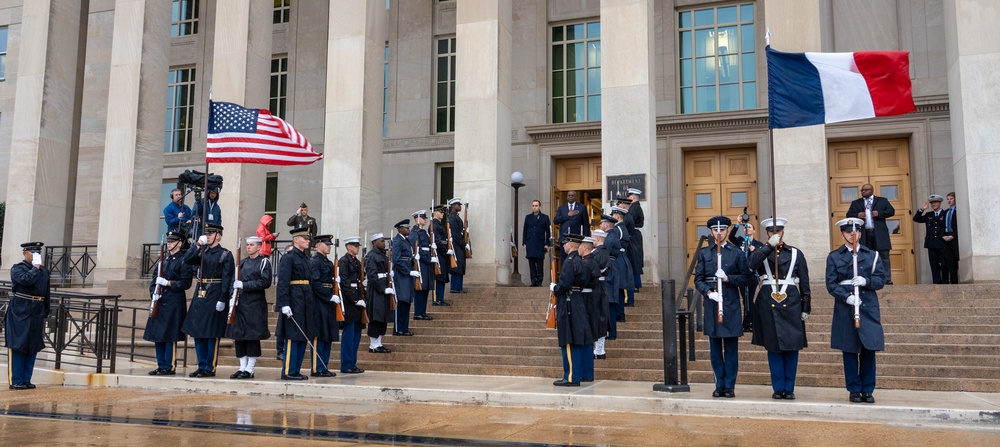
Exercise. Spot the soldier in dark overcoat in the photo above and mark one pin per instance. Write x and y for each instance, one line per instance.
(440, 245)
(619, 269)
(404, 277)
(349, 278)
(723, 336)
(326, 329)
(250, 320)
(592, 296)
(572, 324)
(24, 322)
(602, 291)
(782, 306)
(934, 220)
(425, 257)
(638, 221)
(625, 283)
(206, 316)
(164, 330)
(378, 293)
(295, 300)
(535, 239)
(624, 217)
(458, 245)
(855, 300)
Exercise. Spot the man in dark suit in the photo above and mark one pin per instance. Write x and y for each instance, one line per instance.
(950, 239)
(874, 211)
(933, 240)
(535, 240)
(572, 218)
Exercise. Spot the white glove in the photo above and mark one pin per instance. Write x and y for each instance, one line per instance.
(853, 300)
(434, 246)
(721, 275)
(715, 296)
(220, 306)
(286, 310)
(392, 274)
(36, 259)
(237, 284)
(859, 281)
(232, 301)
(467, 247)
(414, 273)
(389, 291)
(336, 279)
(451, 252)
(552, 286)
(434, 260)
(202, 240)
(364, 282)
(416, 256)
(335, 299)
(362, 303)
(805, 316)
(156, 297)
(774, 240)
(161, 281)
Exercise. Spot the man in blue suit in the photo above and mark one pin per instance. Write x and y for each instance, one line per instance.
(535, 240)
(572, 218)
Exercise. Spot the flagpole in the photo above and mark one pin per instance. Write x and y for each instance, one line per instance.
(774, 199)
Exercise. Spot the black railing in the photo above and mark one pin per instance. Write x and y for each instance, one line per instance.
(133, 320)
(71, 265)
(277, 250)
(150, 256)
(81, 329)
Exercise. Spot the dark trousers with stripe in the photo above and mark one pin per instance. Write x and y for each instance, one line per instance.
(622, 297)
(783, 366)
(295, 351)
(725, 357)
(402, 323)
(439, 291)
(859, 371)
(349, 342)
(321, 356)
(587, 362)
(207, 350)
(420, 302)
(572, 357)
(166, 355)
(21, 366)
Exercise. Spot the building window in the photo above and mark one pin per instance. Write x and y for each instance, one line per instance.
(279, 86)
(3, 53)
(271, 199)
(444, 116)
(385, 91)
(445, 183)
(183, 18)
(282, 11)
(576, 72)
(180, 110)
(717, 69)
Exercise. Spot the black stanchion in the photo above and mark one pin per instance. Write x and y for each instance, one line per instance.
(671, 383)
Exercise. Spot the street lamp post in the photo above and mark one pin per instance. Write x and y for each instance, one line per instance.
(516, 180)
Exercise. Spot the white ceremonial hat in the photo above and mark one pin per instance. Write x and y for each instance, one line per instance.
(254, 240)
(454, 201)
(353, 240)
(376, 237)
(598, 233)
(635, 191)
(589, 239)
(850, 224)
(767, 224)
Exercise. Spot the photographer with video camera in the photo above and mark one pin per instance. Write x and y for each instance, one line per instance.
(747, 243)
(211, 211)
(177, 215)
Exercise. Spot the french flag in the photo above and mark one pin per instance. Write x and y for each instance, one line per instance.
(805, 89)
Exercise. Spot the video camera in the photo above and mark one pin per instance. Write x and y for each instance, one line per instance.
(196, 180)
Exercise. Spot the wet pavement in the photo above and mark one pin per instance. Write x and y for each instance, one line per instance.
(383, 408)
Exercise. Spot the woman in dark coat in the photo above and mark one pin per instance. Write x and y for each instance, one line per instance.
(250, 322)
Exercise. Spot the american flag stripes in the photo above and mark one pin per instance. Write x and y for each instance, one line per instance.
(240, 135)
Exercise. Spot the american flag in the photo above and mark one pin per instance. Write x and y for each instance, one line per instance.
(240, 135)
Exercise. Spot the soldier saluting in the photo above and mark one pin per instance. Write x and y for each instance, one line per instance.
(164, 330)
(29, 305)
(206, 317)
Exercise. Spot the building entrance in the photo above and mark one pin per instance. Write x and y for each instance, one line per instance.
(582, 175)
(717, 182)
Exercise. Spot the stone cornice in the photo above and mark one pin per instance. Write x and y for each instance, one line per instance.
(431, 142)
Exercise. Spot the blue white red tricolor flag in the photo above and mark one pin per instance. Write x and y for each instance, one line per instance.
(240, 135)
(805, 89)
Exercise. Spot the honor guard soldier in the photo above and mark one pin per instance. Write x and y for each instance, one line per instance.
(638, 221)
(206, 317)
(782, 306)
(603, 261)
(934, 237)
(164, 329)
(425, 257)
(853, 275)
(617, 272)
(720, 281)
(458, 246)
(403, 277)
(24, 323)
(378, 293)
(634, 257)
(326, 329)
(294, 299)
(626, 282)
(572, 324)
(591, 300)
(250, 320)
(351, 291)
(440, 245)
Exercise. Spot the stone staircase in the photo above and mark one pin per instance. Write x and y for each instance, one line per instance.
(937, 338)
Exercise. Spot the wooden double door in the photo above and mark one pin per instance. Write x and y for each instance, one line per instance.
(717, 182)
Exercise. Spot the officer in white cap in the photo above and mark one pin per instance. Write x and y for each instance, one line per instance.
(379, 294)
(249, 325)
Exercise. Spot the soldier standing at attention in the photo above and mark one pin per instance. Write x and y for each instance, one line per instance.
(250, 322)
(638, 220)
(25, 319)
(294, 299)
(378, 293)
(440, 246)
(603, 291)
(164, 330)
(457, 244)
(617, 271)
(349, 278)
(855, 303)
(324, 315)
(732, 273)
(572, 324)
(206, 316)
(403, 277)
(425, 256)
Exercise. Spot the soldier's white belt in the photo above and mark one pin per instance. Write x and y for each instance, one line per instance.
(621, 250)
(792, 282)
(353, 285)
(328, 286)
(581, 290)
(846, 282)
(25, 296)
(425, 248)
(380, 276)
(601, 278)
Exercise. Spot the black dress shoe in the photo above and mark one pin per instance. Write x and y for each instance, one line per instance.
(789, 395)
(197, 373)
(207, 373)
(868, 398)
(326, 373)
(19, 386)
(855, 398)
(565, 383)
(587, 380)
(352, 371)
(166, 372)
(245, 375)
(600, 356)
(888, 283)
(729, 393)
(422, 317)
(280, 356)
(155, 372)
(778, 395)
(31, 386)
(380, 350)
(403, 334)
(295, 376)
(236, 375)
(611, 338)
(620, 319)
(717, 393)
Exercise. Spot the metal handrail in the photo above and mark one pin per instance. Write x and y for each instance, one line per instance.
(134, 314)
(150, 256)
(690, 272)
(70, 267)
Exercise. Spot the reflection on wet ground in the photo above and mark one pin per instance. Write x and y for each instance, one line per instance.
(73, 416)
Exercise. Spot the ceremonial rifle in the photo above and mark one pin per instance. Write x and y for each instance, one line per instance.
(465, 230)
(236, 292)
(718, 281)
(437, 265)
(336, 277)
(154, 306)
(550, 313)
(364, 280)
(451, 247)
(388, 275)
(416, 264)
(857, 307)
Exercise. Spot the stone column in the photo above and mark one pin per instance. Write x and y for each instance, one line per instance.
(133, 153)
(970, 33)
(352, 166)
(628, 106)
(45, 130)
(483, 133)
(241, 70)
(800, 153)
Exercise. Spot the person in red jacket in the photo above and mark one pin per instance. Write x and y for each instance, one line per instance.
(265, 235)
